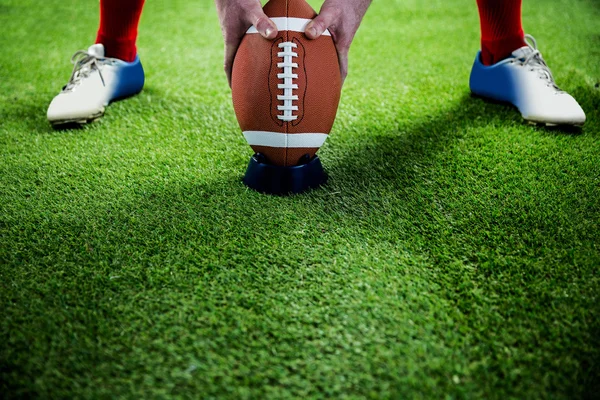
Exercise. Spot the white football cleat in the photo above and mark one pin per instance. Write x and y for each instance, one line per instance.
(95, 82)
(524, 80)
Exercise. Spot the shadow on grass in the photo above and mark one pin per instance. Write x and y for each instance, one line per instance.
(589, 99)
(23, 113)
(384, 158)
(391, 157)
(166, 233)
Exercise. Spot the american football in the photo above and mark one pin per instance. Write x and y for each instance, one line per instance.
(286, 90)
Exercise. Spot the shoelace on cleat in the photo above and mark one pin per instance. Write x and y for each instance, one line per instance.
(84, 64)
(535, 62)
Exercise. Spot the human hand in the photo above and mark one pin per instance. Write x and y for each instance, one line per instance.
(342, 18)
(236, 16)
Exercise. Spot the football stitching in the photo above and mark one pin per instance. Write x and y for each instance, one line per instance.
(271, 96)
(289, 81)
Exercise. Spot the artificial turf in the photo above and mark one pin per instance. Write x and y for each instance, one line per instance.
(453, 253)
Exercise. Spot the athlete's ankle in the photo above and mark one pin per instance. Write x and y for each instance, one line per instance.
(121, 49)
(493, 51)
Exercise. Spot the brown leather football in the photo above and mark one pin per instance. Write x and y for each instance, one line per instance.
(286, 90)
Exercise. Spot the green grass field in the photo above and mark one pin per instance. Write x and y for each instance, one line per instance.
(454, 253)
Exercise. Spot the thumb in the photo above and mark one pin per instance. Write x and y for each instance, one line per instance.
(261, 22)
(317, 26)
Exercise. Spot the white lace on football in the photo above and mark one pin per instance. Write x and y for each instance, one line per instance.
(536, 63)
(287, 76)
(84, 64)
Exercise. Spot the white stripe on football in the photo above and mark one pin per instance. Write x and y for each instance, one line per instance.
(289, 24)
(285, 140)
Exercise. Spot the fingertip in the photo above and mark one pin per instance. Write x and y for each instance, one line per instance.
(311, 31)
(267, 28)
(270, 33)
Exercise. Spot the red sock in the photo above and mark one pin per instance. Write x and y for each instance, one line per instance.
(501, 29)
(118, 27)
